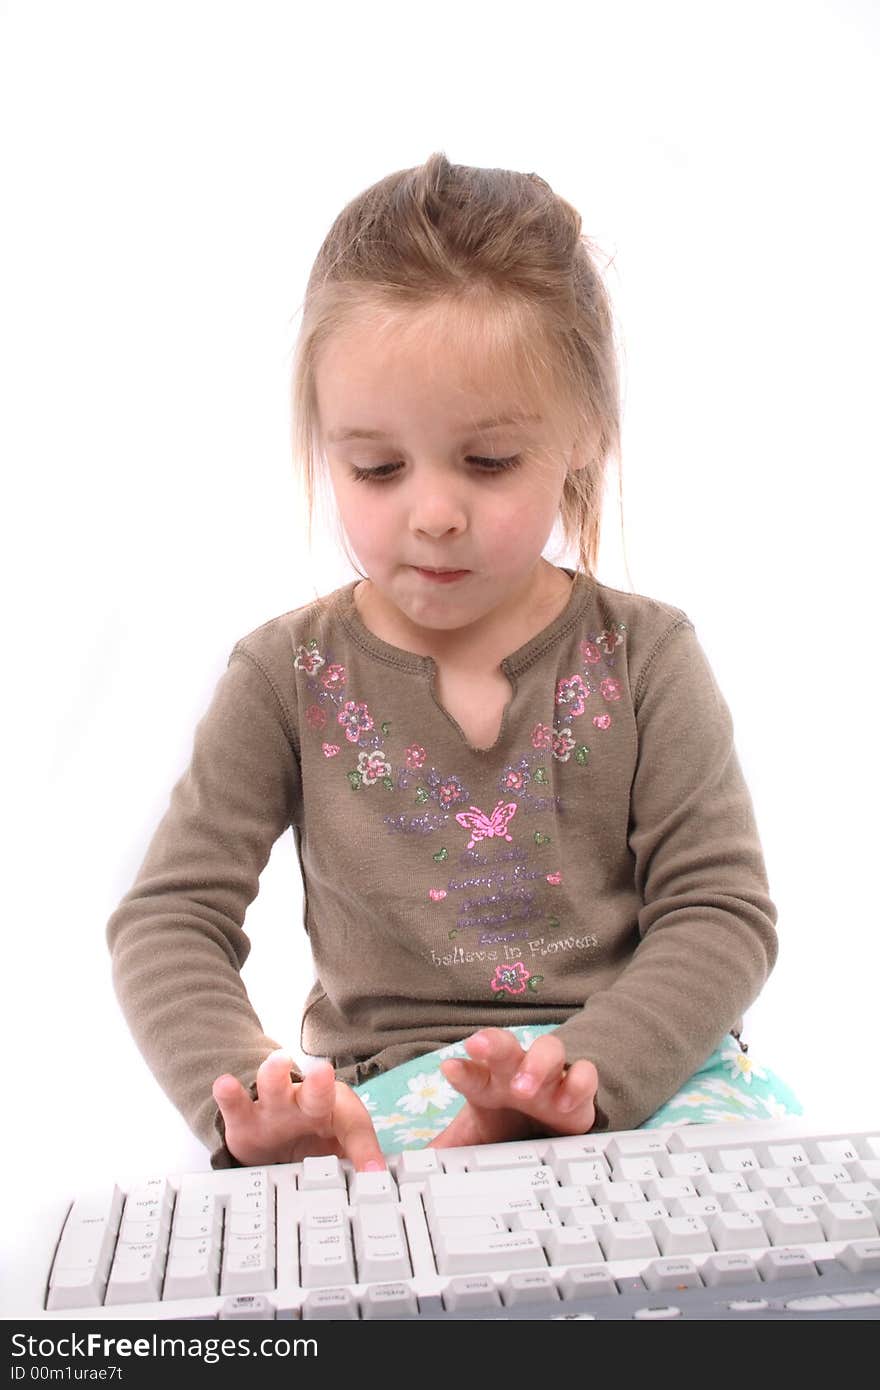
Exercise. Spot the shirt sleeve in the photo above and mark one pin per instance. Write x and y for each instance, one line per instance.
(176, 939)
(706, 928)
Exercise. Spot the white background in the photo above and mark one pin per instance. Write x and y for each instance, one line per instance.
(169, 171)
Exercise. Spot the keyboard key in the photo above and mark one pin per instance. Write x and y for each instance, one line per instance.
(471, 1294)
(847, 1221)
(247, 1307)
(372, 1187)
(192, 1275)
(587, 1283)
(85, 1250)
(380, 1244)
(326, 1259)
(494, 1156)
(339, 1304)
(150, 1201)
(860, 1256)
(571, 1245)
(583, 1172)
(750, 1201)
(802, 1197)
(783, 1155)
(503, 1182)
(417, 1164)
(634, 1146)
(687, 1165)
(720, 1185)
(239, 1223)
(772, 1180)
(505, 1207)
(864, 1192)
(616, 1195)
(704, 1207)
(575, 1146)
(824, 1175)
(466, 1254)
(588, 1216)
(729, 1269)
(841, 1151)
(489, 1225)
(641, 1169)
(136, 1276)
(535, 1287)
(672, 1274)
(321, 1173)
(389, 1301)
(250, 1190)
(735, 1161)
(668, 1189)
(75, 1288)
(248, 1264)
(683, 1235)
(627, 1240)
(786, 1224)
(652, 1213)
(737, 1230)
(786, 1264)
(656, 1311)
(534, 1220)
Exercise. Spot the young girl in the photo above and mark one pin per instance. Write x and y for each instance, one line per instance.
(533, 885)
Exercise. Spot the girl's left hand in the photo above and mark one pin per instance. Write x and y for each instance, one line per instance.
(553, 1100)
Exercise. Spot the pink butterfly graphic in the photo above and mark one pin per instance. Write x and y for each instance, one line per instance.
(483, 827)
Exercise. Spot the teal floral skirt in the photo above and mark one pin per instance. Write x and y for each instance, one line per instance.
(411, 1104)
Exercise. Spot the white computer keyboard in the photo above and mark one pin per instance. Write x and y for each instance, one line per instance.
(709, 1221)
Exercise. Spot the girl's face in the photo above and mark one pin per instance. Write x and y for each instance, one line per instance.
(438, 487)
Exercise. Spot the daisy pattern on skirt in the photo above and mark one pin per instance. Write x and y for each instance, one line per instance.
(418, 1134)
(721, 1115)
(725, 1090)
(388, 1121)
(427, 1089)
(742, 1067)
(776, 1110)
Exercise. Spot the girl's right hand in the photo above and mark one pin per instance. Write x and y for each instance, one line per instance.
(292, 1120)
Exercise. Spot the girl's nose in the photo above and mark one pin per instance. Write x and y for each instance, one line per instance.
(436, 512)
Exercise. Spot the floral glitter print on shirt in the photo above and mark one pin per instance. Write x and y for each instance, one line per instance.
(500, 887)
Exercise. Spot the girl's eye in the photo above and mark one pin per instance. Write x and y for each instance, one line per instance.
(389, 470)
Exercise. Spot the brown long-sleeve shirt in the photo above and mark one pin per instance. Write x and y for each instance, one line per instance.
(598, 867)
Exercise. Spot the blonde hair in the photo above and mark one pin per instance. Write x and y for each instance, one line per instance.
(505, 255)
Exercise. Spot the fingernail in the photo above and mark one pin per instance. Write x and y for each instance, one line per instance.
(374, 1167)
(525, 1084)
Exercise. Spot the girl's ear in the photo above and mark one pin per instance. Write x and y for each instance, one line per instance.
(580, 453)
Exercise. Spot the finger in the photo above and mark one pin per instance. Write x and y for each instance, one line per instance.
(316, 1095)
(356, 1135)
(470, 1078)
(273, 1077)
(578, 1086)
(232, 1099)
(542, 1065)
(497, 1048)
